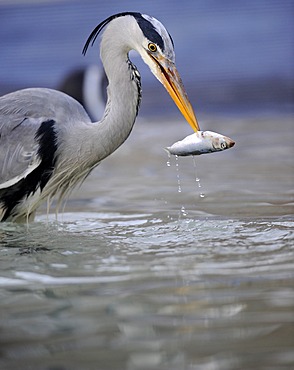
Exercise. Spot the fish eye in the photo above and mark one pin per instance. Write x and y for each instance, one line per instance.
(223, 145)
(152, 47)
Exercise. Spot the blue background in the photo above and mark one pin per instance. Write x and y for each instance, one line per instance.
(230, 54)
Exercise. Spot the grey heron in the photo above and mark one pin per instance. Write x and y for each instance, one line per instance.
(48, 143)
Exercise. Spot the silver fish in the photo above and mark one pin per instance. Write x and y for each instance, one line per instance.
(201, 142)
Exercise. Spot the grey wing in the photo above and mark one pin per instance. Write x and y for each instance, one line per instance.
(18, 148)
(27, 130)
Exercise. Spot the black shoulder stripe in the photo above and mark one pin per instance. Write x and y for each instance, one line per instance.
(12, 196)
(46, 136)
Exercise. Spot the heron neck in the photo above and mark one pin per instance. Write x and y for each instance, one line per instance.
(123, 100)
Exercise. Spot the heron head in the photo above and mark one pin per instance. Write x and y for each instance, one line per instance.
(157, 51)
(152, 41)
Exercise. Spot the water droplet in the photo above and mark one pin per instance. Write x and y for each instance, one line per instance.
(183, 211)
(197, 179)
(178, 175)
(168, 161)
(198, 182)
(179, 183)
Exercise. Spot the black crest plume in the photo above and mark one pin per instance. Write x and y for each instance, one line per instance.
(92, 38)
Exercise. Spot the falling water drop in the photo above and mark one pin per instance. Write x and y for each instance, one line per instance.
(183, 211)
(168, 160)
(178, 175)
(197, 179)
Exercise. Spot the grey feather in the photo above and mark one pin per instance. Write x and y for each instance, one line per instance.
(21, 114)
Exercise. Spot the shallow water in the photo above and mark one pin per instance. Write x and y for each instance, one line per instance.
(137, 275)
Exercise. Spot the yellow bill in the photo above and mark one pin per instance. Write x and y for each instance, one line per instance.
(172, 81)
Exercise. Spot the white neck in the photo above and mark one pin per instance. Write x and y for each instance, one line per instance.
(123, 91)
(122, 103)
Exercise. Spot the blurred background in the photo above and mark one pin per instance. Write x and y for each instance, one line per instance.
(232, 55)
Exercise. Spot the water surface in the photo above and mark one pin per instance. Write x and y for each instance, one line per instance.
(137, 275)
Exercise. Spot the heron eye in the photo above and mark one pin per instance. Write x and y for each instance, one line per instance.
(152, 47)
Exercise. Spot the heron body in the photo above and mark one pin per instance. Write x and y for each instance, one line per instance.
(48, 143)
